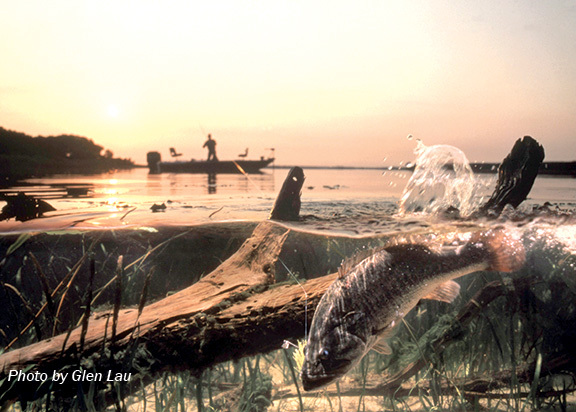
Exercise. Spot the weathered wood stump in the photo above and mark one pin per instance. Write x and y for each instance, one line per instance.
(516, 176)
(287, 205)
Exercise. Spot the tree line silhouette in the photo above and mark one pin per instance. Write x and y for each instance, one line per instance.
(23, 156)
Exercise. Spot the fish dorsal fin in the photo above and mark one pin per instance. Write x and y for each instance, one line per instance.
(349, 263)
(445, 292)
(381, 346)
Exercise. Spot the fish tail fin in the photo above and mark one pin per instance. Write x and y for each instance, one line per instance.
(507, 253)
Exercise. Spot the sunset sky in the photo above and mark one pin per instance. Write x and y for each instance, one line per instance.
(322, 82)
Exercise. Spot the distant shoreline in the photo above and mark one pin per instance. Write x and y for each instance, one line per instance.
(23, 156)
(559, 169)
(329, 167)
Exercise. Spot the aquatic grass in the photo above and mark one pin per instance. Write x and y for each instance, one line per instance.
(209, 388)
(45, 285)
(339, 396)
(117, 296)
(88, 304)
(169, 390)
(8, 287)
(53, 315)
(485, 348)
(363, 377)
(144, 294)
(199, 397)
(22, 238)
(70, 280)
(83, 399)
(295, 380)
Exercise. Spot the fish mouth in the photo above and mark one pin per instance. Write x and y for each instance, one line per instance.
(313, 381)
(310, 383)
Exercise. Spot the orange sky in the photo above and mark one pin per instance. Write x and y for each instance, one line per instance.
(323, 82)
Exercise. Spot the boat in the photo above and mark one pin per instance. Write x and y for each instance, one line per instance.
(156, 165)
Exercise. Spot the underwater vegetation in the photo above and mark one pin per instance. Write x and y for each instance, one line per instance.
(506, 343)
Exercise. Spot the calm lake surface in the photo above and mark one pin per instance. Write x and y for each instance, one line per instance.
(125, 198)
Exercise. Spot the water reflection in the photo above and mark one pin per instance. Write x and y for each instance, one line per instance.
(212, 183)
(175, 184)
(259, 183)
(47, 191)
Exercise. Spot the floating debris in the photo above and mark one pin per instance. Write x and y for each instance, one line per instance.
(23, 207)
(158, 208)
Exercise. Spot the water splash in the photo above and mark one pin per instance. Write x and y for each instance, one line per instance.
(442, 179)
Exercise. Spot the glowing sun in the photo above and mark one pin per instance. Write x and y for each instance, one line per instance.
(113, 110)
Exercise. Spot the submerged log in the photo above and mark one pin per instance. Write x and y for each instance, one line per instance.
(516, 176)
(231, 313)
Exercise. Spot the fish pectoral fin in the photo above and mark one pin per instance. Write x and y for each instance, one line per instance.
(445, 292)
(381, 346)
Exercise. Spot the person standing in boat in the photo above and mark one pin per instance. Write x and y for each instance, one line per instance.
(211, 145)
